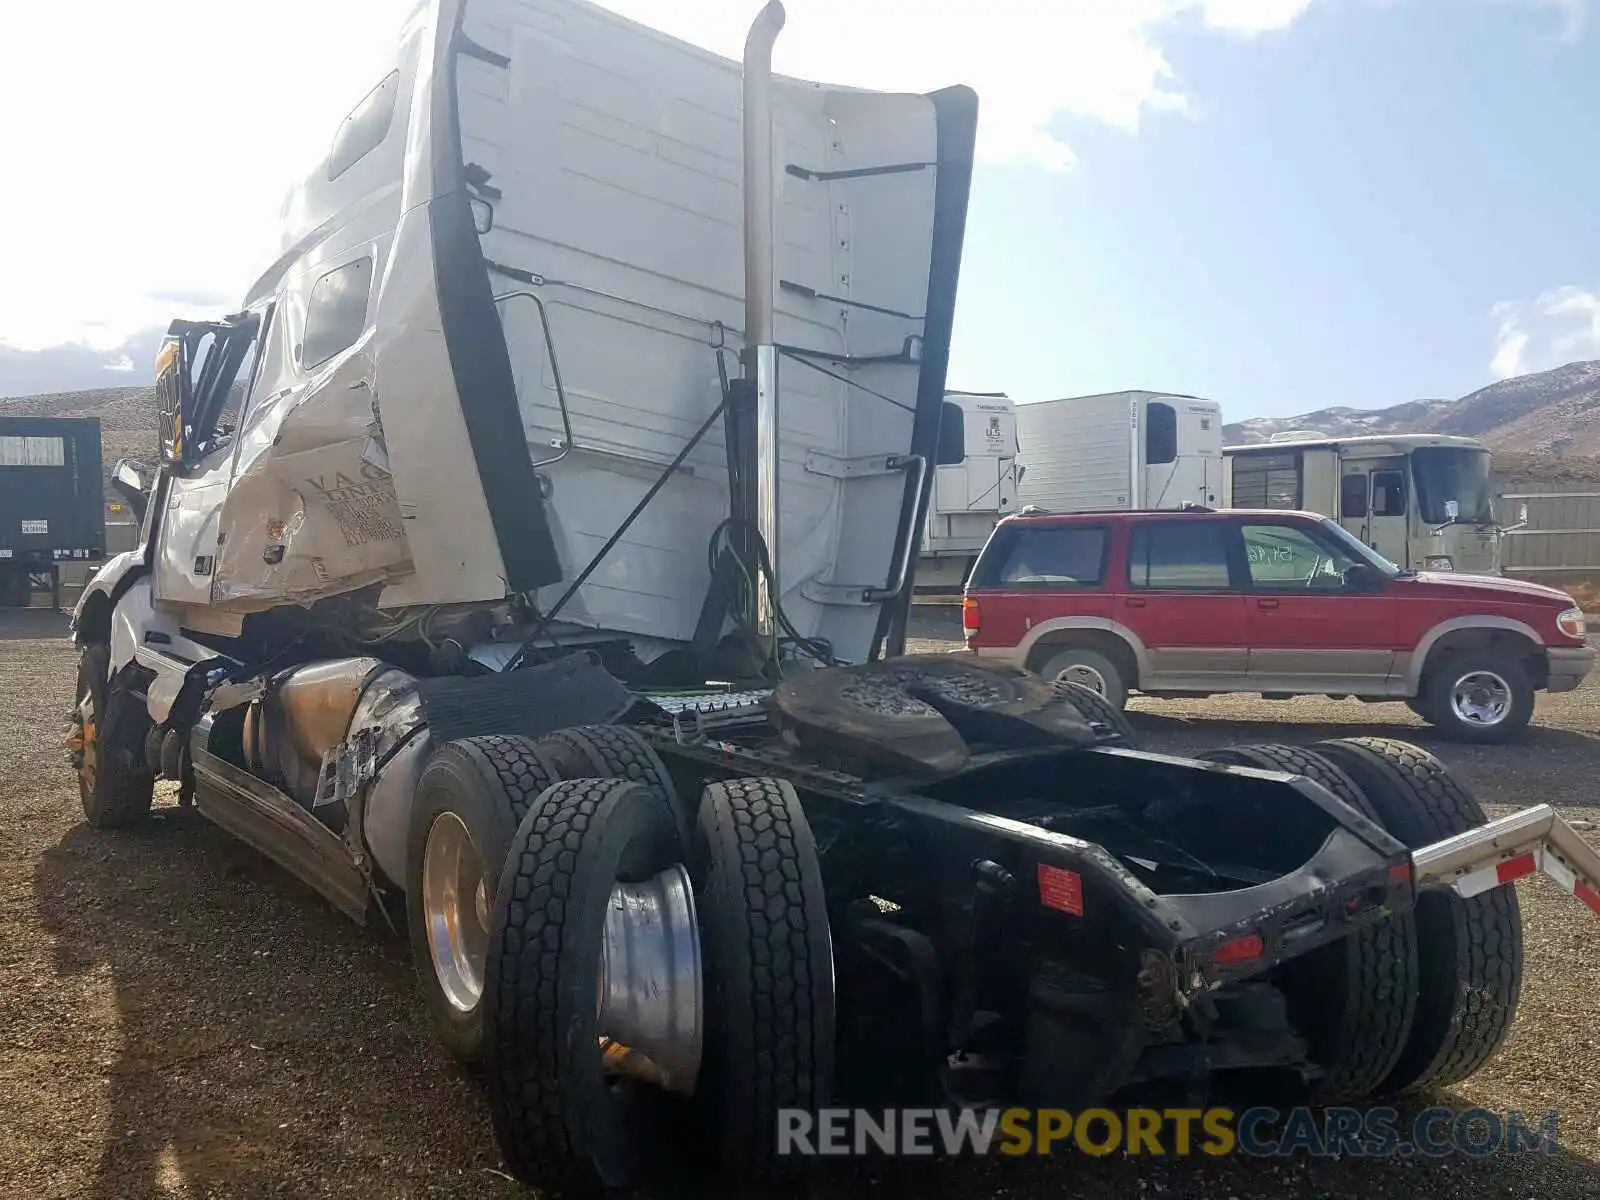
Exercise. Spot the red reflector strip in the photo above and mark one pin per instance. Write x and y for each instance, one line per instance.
(1061, 889)
(1588, 894)
(1240, 949)
(1516, 868)
(1400, 873)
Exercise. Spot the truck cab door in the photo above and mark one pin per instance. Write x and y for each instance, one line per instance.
(1374, 505)
(203, 374)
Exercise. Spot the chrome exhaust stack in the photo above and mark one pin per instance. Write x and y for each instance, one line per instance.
(759, 359)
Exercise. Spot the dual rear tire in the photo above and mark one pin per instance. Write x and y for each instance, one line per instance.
(1423, 999)
(738, 959)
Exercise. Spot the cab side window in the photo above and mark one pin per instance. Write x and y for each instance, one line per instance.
(1353, 496)
(364, 129)
(1388, 494)
(336, 313)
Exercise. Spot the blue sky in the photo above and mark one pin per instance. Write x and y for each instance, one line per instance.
(1361, 208)
(1281, 204)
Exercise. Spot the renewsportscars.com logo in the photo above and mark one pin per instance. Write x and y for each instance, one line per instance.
(1165, 1132)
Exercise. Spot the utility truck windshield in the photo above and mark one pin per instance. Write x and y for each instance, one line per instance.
(1445, 473)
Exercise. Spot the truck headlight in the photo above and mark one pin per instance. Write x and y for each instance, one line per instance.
(1571, 624)
(1438, 562)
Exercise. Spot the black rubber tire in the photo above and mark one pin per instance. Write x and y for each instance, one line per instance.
(614, 752)
(1434, 706)
(1419, 705)
(1353, 1000)
(1116, 685)
(768, 962)
(489, 783)
(1469, 951)
(558, 1122)
(114, 784)
(1097, 710)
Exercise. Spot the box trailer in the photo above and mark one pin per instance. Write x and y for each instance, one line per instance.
(1133, 449)
(971, 495)
(52, 503)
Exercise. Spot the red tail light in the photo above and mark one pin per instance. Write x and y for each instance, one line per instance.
(1240, 949)
(971, 617)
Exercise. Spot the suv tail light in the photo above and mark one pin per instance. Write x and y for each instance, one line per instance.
(971, 617)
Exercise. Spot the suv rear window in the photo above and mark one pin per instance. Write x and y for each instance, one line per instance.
(1179, 554)
(1070, 555)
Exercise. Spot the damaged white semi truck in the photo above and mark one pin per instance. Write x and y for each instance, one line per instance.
(529, 561)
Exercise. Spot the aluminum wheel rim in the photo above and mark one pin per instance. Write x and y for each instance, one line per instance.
(1085, 675)
(1481, 698)
(455, 904)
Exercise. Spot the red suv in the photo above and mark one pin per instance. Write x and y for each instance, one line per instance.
(1281, 603)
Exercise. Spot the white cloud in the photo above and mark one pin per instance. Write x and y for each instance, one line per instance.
(148, 147)
(1559, 327)
(1030, 62)
(1253, 16)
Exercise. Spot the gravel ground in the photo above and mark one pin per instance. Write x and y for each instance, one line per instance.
(181, 1019)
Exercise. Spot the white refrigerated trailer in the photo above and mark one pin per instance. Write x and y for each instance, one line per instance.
(1133, 449)
(971, 495)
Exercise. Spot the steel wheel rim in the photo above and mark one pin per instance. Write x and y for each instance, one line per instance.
(1481, 698)
(1087, 676)
(455, 905)
(650, 991)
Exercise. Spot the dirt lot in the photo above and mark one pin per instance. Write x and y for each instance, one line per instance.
(180, 1019)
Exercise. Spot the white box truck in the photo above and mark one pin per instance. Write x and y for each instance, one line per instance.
(969, 496)
(1133, 449)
